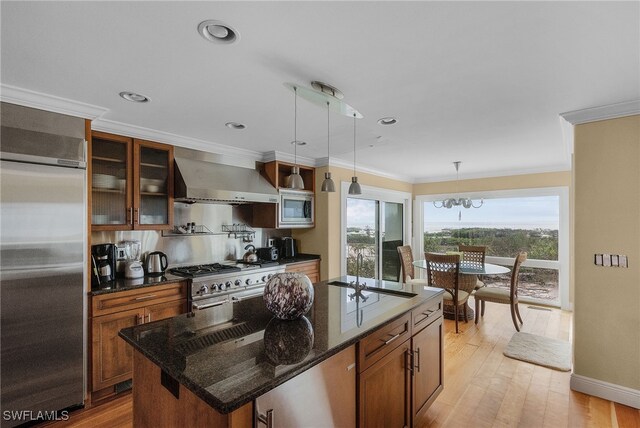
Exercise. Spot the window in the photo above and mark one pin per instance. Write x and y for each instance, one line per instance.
(531, 220)
(374, 224)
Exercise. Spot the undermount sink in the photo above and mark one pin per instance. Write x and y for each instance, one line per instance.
(397, 293)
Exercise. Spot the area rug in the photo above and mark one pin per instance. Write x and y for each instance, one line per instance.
(540, 350)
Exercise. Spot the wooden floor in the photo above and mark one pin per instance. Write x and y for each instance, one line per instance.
(483, 388)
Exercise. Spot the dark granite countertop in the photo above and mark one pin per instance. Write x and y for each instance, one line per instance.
(300, 257)
(122, 284)
(228, 365)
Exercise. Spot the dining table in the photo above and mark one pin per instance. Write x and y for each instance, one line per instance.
(467, 280)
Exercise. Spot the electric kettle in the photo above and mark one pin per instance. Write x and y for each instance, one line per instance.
(156, 263)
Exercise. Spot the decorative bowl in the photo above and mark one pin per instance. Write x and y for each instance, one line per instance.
(288, 295)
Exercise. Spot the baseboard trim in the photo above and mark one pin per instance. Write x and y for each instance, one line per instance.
(608, 391)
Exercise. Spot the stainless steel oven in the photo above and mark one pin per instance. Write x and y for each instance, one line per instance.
(219, 286)
(295, 208)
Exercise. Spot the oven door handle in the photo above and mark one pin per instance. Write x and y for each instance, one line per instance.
(235, 299)
(209, 305)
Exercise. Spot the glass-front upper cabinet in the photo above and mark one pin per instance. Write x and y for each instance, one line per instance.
(131, 183)
(153, 174)
(111, 205)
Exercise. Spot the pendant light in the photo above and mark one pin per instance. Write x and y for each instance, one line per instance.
(354, 188)
(294, 181)
(327, 184)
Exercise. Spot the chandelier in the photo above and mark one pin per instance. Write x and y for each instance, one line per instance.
(459, 202)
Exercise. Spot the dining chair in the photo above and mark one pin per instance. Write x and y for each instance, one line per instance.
(442, 272)
(500, 295)
(408, 271)
(474, 255)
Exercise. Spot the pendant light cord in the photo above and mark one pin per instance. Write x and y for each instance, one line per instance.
(354, 144)
(328, 128)
(295, 126)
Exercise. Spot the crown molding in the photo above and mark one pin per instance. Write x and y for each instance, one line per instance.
(25, 97)
(173, 139)
(274, 155)
(493, 174)
(593, 114)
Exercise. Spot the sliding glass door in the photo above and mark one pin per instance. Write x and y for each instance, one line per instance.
(375, 224)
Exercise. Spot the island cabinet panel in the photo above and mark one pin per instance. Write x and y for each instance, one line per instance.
(323, 396)
(111, 356)
(379, 343)
(384, 391)
(154, 406)
(310, 268)
(428, 366)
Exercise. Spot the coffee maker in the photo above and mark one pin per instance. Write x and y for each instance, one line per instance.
(103, 263)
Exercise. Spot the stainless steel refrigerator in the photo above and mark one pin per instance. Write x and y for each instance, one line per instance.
(42, 260)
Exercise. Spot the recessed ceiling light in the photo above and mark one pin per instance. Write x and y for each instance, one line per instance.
(388, 121)
(299, 143)
(235, 125)
(217, 31)
(133, 97)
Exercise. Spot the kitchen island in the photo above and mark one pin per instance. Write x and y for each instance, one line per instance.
(223, 369)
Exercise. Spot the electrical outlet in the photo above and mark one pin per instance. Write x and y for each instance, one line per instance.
(120, 254)
(270, 242)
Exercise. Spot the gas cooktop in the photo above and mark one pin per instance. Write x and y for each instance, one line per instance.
(204, 269)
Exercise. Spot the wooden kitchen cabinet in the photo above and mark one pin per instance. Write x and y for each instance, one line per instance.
(428, 367)
(384, 391)
(310, 268)
(277, 171)
(131, 183)
(112, 357)
(401, 368)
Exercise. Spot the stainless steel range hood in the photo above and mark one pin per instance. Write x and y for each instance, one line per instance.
(200, 177)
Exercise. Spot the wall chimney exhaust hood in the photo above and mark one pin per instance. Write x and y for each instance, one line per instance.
(201, 177)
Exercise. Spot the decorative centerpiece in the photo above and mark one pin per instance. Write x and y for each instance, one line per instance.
(288, 295)
(288, 342)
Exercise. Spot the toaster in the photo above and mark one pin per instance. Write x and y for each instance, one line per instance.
(267, 253)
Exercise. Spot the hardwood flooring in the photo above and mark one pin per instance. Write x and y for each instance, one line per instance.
(483, 388)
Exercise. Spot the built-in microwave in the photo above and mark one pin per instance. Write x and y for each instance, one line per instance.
(295, 208)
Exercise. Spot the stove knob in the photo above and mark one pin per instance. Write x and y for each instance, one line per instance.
(264, 278)
(238, 282)
(248, 281)
(227, 284)
(221, 286)
(269, 276)
(203, 290)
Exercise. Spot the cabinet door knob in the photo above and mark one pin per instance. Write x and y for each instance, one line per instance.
(417, 359)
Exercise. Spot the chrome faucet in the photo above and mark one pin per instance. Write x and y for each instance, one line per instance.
(356, 285)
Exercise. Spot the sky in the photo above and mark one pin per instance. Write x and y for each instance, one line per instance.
(516, 213)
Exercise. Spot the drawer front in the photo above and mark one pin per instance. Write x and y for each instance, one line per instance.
(132, 299)
(382, 341)
(425, 314)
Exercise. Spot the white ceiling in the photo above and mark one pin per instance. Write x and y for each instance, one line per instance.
(479, 82)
